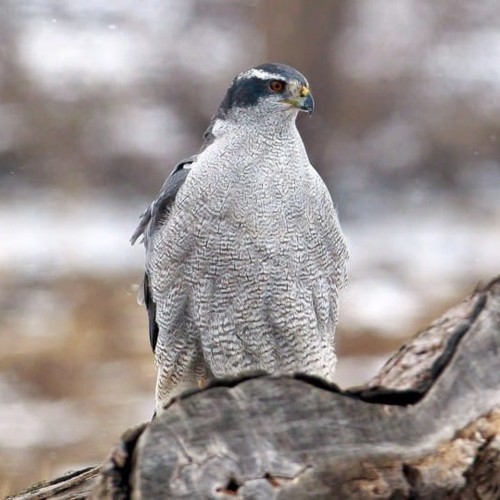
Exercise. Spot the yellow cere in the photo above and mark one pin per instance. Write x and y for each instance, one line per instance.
(304, 91)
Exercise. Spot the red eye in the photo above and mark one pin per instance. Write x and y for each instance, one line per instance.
(277, 86)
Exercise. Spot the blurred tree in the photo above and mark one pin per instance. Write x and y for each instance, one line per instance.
(301, 33)
(404, 92)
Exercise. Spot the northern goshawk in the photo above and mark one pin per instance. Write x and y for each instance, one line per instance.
(244, 252)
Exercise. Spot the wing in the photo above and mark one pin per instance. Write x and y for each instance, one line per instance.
(151, 308)
(150, 221)
(156, 212)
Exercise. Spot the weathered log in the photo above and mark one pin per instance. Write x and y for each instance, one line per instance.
(427, 426)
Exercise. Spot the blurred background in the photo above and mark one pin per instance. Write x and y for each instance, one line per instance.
(99, 100)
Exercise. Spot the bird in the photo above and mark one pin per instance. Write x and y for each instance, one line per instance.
(245, 256)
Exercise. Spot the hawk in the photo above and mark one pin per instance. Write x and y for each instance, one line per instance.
(245, 256)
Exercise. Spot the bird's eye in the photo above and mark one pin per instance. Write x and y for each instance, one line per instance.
(277, 86)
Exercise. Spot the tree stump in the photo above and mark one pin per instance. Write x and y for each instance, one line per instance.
(427, 426)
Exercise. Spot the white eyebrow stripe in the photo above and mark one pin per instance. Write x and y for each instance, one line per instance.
(261, 74)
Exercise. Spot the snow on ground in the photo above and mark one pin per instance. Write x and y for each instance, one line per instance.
(400, 260)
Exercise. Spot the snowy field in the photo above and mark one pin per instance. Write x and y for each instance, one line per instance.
(402, 257)
(76, 364)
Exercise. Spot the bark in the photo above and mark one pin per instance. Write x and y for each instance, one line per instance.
(427, 426)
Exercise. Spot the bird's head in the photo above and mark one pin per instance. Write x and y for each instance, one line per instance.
(268, 88)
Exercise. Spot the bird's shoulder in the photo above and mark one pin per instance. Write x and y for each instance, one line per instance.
(152, 217)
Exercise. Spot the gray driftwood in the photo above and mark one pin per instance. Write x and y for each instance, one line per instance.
(427, 426)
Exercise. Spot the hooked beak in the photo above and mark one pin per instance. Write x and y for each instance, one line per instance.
(303, 101)
(307, 103)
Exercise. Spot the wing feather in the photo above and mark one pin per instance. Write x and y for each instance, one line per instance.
(151, 220)
(156, 212)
